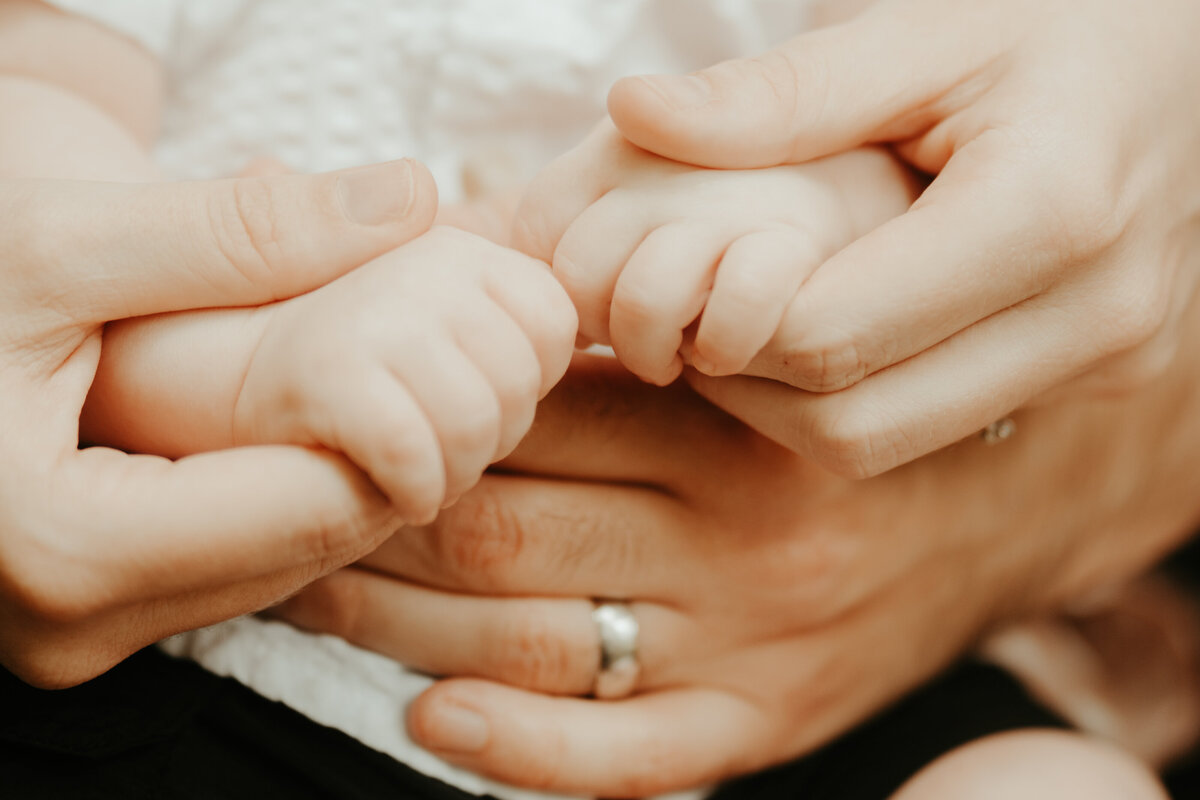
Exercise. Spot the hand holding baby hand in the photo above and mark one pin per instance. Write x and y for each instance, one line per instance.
(655, 253)
(423, 366)
(103, 552)
(1054, 242)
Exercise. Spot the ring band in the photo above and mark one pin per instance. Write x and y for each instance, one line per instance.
(619, 669)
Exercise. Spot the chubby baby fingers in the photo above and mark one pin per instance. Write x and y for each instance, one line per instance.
(756, 280)
(505, 356)
(459, 402)
(382, 428)
(591, 254)
(660, 292)
(530, 296)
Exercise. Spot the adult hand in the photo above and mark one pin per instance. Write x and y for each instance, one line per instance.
(778, 604)
(1060, 237)
(102, 553)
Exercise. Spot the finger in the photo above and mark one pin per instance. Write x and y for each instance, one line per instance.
(540, 306)
(566, 188)
(545, 645)
(592, 252)
(601, 423)
(381, 428)
(110, 251)
(659, 292)
(947, 393)
(855, 316)
(170, 527)
(886, 75)
(756, 280)
(633, 748)
(504, 355)
(459, 402)
(520, 536)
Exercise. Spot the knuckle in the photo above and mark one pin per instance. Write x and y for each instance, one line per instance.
(337, 534)
(398, 448)
(1140, 306)
(475, 426)
(558, 321)
(854, 443)
(519, 388)
(778, 73)
(570, 270)
(335, 605)
(529, 650)
(827, 367)
(485, 542)
(786, 79)
(1082, 207)
(634, 301)
(744, 289)
(802, 575)
(244, 225)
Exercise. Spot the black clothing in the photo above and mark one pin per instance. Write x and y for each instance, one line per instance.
(156, 727)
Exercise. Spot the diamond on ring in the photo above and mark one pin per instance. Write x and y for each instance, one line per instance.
(998, 431)
(619, 668)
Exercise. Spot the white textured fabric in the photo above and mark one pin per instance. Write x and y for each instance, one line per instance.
(481, 91)
(455, 83)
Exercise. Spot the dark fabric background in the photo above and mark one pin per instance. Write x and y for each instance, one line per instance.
(155, 727)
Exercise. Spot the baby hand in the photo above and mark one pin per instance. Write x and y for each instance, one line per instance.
(652, 251)
(423, 366)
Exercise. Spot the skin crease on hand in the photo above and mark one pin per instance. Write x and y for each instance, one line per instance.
(1057, 243)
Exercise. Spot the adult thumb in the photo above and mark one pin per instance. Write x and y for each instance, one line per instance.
(875, 78)
(111, 251)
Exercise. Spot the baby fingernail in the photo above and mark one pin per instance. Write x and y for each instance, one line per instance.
(682, 92)
(455, 729)
(703, 365)
(377, 194)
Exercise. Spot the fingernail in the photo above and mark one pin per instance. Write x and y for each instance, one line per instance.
(377, 194)
(455, 729)
(681, 92)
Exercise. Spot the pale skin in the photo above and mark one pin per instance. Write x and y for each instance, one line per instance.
(298, 349)
(799, 596)
(498, 326)
(921, 62)
(648, 248)
(1096, 554)
(423, 366)
(1057, 243)
(104, 553)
